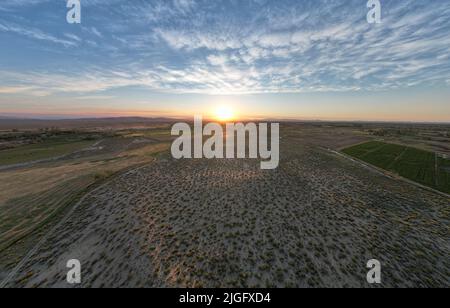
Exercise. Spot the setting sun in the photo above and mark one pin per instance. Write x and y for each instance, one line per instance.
(224, 113)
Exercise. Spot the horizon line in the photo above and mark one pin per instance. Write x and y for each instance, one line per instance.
(77, 117)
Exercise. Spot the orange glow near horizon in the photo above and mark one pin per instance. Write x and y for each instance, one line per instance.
(224, 113)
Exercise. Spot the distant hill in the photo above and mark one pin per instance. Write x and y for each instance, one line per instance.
(8, 118)
(8, 123)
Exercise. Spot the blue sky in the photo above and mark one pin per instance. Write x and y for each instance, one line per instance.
(265, 58)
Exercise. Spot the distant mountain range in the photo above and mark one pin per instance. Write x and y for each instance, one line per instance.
(8, 123)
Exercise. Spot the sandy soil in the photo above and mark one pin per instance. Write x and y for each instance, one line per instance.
(315, 221)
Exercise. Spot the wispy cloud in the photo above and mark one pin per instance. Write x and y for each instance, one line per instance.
(95, 97)
(14, 90)
(240, 47)
(36, 34)
(7, 5)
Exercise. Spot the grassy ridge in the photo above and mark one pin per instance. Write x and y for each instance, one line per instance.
(66, 182)
(418, 165)
(40, 151)
(21, 216)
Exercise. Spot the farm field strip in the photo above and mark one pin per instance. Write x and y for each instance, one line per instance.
(39, 209)
(420, 166)
(36, 152)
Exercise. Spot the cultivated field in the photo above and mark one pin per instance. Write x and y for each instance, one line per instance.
(40, 151)
(151, 221)
(421, 166)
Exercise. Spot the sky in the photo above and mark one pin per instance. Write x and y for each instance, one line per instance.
(286, 59)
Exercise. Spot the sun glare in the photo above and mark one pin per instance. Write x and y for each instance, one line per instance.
(224, 114)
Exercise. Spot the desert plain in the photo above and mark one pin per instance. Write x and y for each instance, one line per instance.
(135, 217)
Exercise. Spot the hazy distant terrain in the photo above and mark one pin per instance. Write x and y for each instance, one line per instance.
(8, 123)
(147, 220)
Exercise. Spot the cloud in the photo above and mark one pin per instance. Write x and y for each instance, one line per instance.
(95, 97)
(73, 37)
(7, 5)
(238, 47)
(217, 60)
(96, 32)
(14, 89)
(191, 40)
(35, 34)
(27, 90)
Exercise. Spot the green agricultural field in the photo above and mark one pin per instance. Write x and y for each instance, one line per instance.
(418, 165)
(444, 174)
(45, 150)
